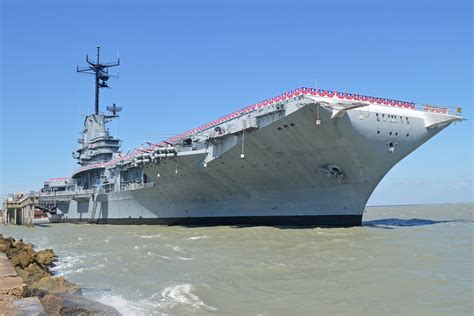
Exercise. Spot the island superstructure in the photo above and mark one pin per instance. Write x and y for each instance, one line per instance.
(305, 157)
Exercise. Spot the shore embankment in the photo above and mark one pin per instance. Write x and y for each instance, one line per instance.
(27, 286)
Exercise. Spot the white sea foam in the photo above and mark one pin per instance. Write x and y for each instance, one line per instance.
(181, 295)
(124, 306)
(197, 237)
(150, 236)
(67, 265)
(88, 268)
(80, 270)
(184, 258)
(175, 248)
(172, 258)
(164, 257)
(178, 249)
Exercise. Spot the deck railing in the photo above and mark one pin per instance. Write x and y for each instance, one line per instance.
(64, 193)
(321, 93)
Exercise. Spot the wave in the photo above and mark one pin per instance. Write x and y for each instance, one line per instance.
(165, 257)
(88, 268)
(124, 306)
(197, 237)
(67, 265)
(150, 236)
(182, 296)
(185, 258)
(172, 258)
(176, 248)
(77, 264)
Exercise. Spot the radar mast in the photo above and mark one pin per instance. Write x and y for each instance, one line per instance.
(101, 73)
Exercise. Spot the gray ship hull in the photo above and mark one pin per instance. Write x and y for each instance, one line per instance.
(291, 171)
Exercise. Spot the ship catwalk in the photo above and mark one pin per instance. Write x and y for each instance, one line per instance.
(306, 157)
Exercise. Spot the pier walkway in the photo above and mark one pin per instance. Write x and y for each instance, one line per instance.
(19, 209)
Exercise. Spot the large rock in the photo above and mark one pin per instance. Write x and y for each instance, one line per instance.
(36, 273)
(18, 243)
(23, 274)
(28, 245)
(28, 306)
(67, 304)
(5, 243)
(30, 265)
(20, 254)
(45, 257)
(33, 273)
(22, 257)
(54, 285)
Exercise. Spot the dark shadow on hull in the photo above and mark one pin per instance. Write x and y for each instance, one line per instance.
(391, 223)
(42, 225)
(283, 222)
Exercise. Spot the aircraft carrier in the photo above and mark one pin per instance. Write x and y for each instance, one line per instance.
(305, 157)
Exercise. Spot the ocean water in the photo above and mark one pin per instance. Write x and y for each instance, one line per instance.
(413, 260)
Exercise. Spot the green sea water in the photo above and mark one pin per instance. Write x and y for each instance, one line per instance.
(410, 260)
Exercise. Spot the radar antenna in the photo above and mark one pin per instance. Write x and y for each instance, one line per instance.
(101, 72)
(114, 109)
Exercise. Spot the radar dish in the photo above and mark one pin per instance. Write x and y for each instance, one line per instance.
(114, 109)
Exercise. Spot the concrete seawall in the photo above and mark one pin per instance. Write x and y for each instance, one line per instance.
(12, 290)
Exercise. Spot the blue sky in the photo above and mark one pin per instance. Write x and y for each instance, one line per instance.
(185, 63)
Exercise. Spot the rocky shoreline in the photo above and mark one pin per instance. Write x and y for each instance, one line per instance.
(57, 295)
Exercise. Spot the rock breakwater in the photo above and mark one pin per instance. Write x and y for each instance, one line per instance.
(57, 295)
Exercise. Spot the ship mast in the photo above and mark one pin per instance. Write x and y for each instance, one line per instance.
(96, 144)
(101, 73)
